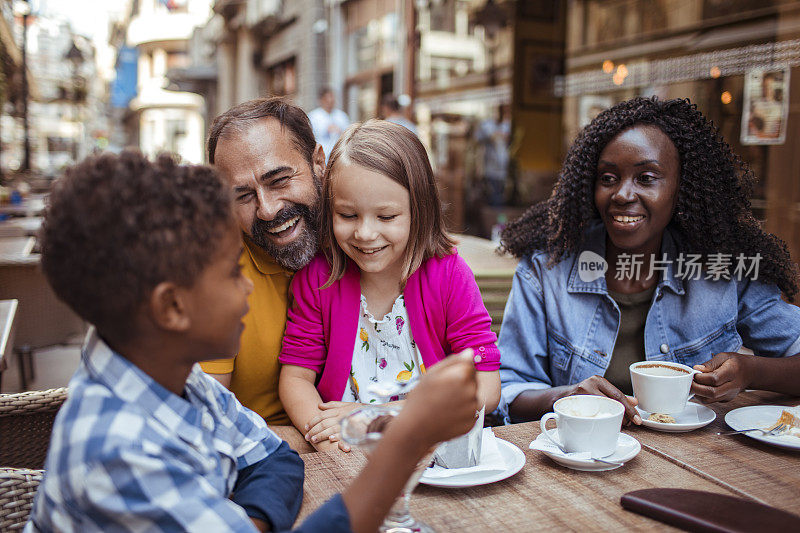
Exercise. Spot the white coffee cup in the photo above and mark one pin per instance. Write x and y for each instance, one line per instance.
(586, 423)
(662, 386)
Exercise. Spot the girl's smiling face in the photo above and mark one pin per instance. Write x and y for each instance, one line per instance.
(638, 177)
(371, 219)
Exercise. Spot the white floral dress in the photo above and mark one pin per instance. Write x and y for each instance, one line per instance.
(384, 352)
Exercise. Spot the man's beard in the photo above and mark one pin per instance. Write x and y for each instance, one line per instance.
(301, 250)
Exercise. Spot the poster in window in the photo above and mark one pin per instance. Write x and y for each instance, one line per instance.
(766, 106)
(591, 105)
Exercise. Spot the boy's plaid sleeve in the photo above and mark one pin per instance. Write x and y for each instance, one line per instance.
(139, 491)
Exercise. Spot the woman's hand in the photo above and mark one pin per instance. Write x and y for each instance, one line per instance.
(325, 426)
(722, 377)
(600, 386)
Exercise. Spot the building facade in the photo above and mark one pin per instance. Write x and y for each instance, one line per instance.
(254, 48)
(66, 99)
(164, 119)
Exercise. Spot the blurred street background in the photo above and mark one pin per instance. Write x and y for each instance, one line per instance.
(495, 89)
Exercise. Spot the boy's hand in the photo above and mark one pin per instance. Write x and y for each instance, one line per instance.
(444, 403)
(723, 377)
(326, 424)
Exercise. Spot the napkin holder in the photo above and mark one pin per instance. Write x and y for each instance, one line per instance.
(463, 451)
(696, 510)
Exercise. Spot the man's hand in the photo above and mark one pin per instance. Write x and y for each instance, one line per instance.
(722, 377)
(600, 386)
(325, 426)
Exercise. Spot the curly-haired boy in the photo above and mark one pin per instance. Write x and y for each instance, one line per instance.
(148, 252)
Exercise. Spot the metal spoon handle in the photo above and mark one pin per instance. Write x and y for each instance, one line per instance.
(607, 462)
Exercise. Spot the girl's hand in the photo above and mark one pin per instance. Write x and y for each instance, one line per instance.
(723, 377)
(324, 425)
(338, 439)
(600, 386)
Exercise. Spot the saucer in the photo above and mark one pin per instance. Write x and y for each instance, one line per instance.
(761, 416)
(693, 417)
(627, 448)
(512, 456)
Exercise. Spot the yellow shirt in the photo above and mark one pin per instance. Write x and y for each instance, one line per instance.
(255, 368)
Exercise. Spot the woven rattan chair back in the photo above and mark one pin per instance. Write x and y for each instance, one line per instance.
(17, 489)
(26, 421)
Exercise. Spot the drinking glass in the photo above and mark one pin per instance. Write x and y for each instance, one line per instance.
(363, 428)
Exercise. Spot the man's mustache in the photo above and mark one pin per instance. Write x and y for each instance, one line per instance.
(284, 215)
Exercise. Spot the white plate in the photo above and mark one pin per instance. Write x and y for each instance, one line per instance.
(627, 449)
(514, 459)
(693, 417)
(761, 416)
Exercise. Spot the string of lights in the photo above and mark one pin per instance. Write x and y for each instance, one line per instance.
(646, 73)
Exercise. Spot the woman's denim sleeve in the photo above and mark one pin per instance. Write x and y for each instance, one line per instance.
(523, 338)
(768, 325)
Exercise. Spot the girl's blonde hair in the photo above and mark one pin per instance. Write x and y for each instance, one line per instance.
(396, 152)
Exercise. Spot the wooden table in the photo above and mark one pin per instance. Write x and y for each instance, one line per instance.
(20, 227)
(16, 248)
(743, 465)
(546, 496)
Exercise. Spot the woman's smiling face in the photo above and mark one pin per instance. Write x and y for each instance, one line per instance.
(636, 189)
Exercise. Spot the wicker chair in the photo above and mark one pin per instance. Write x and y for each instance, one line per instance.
(26, 420)
(17, 489)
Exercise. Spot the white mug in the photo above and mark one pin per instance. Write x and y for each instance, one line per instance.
(662, 386)
(586, 423)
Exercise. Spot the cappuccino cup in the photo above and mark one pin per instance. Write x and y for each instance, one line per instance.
(662, 386)
(586, 423)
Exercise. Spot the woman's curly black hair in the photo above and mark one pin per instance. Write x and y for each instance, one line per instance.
(713, 212)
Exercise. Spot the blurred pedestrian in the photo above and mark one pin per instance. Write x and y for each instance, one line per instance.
(328, 122)
(392, 111)
(494, 135)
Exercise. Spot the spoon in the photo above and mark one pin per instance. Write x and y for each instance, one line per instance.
(387, 389)
(597, 459)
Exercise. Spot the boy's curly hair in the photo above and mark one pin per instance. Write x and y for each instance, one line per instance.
(713, 212)
(118, 225)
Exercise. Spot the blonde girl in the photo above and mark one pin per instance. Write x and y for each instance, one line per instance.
(389, 297)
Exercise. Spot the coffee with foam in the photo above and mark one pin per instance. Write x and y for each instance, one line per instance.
(586, 423)
(583, 407)
(661, 387)
(655, 369)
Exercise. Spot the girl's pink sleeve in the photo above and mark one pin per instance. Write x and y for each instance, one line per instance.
(468, 321)
(304, 339)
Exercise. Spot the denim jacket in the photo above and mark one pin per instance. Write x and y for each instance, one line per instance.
(559, 330)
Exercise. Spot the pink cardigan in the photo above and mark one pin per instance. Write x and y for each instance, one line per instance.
(445, 312)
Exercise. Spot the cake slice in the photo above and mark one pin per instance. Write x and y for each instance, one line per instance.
(788, 418)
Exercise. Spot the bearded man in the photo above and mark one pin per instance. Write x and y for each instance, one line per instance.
(265, 149)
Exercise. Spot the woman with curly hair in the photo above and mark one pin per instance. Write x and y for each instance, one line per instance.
(647, 249)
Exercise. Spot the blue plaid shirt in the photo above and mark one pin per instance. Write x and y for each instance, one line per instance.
(128, 455)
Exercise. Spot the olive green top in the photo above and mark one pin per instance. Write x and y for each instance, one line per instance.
(629, 347)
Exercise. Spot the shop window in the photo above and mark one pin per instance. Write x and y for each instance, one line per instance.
(282, 78)
(443, 16)
(362, 101)
(177, 59)
(58, 144)
(175, 6)
(721, 8)
(374, 44)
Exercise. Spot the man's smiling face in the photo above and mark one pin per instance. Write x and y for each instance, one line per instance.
(276, 191)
